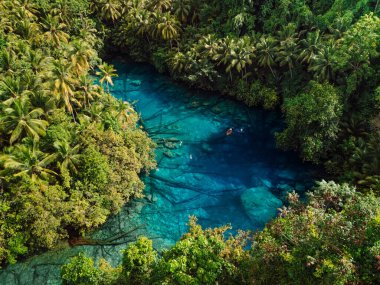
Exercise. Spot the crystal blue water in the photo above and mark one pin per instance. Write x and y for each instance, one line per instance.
(239, 178)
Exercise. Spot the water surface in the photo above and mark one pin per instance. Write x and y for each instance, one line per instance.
(201, 171)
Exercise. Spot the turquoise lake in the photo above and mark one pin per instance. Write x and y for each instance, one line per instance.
(239, 178)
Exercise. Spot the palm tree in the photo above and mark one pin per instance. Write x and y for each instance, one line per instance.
(160, 5)
(182, 9)
(210, 45)
(26, 29)
(95, 112)
(323, 63)
(106, 72)
(167, 27)
(11, 88)
(288, 49)
(8, 61)
(39, 63)
(178, 62)
(80, 54)
(21, 118)
(88, 31)
(266, 49)
(87, 91)
(142, 20)
(237, 55)
(27, 6)
(124, 113)
(63, 84)
(54, 30)
(310, 46)
(287, 55)
(29, 161)
(6, 19)
(69, 156)
(110, 10)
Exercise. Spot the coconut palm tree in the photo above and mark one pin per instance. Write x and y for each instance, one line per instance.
(8, 61)
(12, 87)
(240, 56)
(106, 72)
(178, 62)
(323, 63)
(26, 29)
(95, 112)
(28, 6)
(210, 45)
(20, 119)
(81, 53)
(142, 20)
(39, 63)
(87, 90)
(160, 5)
(266, 49)
(54, 30)
(168, 27)
(288, 49)
(110, 10)
(68, 156)
(124, 113)
(237, 55)
(25, 160)
(287, 55)
(310, 46)
(88, 32)
(63, 84)
(182, 9)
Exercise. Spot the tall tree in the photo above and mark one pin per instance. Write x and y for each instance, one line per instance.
(63, 84)
(54, 30)
(20, 118)
(106, 72)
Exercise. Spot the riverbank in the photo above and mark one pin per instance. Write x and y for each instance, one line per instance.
(200, 170)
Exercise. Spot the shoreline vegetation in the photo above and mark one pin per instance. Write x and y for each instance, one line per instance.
(71, 154)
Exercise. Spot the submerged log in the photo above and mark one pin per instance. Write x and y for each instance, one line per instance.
(113, 240)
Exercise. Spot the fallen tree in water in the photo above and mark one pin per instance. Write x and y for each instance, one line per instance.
(113, 240)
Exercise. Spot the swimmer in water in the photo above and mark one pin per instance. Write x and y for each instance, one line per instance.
(229, 131)
(191, 156)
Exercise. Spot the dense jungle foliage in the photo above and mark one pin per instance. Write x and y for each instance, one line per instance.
(331, 239)
(70, 154)
(318, 60)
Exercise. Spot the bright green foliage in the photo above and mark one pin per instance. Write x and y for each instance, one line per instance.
(331, 240)
(358, 46)
(198, 258)
(256, 94)
(263, 52)
(138, 261)
(80, 271)
(70, 154)
(312, 121)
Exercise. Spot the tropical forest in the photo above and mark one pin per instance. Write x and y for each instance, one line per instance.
(186, 142)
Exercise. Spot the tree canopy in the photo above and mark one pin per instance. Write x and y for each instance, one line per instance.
(65, 166)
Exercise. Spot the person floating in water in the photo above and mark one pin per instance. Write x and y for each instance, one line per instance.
(229, 131)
